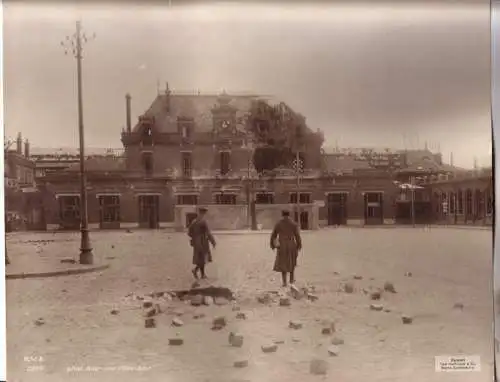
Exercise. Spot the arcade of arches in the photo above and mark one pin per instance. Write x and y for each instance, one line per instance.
(465, 202)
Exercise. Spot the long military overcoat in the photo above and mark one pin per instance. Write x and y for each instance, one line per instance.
(201, 238)
(286, 238)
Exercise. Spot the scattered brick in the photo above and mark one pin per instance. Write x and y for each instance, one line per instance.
(196, 300)
(318, 367)
(295, 325)
(147, 304)
(236, 340)
(176, 341)
(177, 322)
(389, 287)
(285, 301)
(150, 323)
(271, 348)
(376, 307)
(348, 288)
(333, 350)
(264, 298)
(337, 341)
(241, 316)
(407, 319)
(375, 295)
(221, 301)
(312, 297)
(240, 364)
(219, 323)
(150, 312)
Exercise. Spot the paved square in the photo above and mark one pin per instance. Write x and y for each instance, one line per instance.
(80, 340)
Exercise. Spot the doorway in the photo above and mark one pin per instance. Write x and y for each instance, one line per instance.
(337, 208)
(374, 204)
(304, 220)
(149, 207)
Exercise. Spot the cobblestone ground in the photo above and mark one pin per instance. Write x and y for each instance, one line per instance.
(448, 266)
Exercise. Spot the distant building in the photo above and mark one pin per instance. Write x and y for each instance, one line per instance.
(21, 195)
(191, 150)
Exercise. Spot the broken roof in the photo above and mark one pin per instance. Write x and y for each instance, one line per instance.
(167, 108)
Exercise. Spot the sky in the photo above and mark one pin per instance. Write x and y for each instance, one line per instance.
(368, 75)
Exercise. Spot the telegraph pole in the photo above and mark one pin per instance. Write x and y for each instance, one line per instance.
(74, 45)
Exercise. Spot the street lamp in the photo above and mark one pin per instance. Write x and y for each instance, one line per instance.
(73, 45)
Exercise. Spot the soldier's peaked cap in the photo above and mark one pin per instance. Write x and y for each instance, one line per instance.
(285, 213)
(202, 209)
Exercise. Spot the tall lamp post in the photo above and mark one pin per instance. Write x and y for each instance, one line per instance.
(298, 168)
(73, 45)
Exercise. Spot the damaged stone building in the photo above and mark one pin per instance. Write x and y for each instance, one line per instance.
(190, 150)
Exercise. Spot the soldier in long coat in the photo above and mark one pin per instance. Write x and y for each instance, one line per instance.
(286, 239)
(201, 238)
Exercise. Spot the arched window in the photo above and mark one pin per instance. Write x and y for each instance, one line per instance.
(460, 202)
(489, 203)
(468, 202)
(479, 203)
(453, 202)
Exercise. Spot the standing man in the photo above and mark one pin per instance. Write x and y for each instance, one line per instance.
(287, 234)
(201, 238)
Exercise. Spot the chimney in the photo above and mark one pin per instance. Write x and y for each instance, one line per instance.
(19, 144)
(129, 113)
(27, 148)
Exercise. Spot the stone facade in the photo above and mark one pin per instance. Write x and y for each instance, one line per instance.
(191, 150)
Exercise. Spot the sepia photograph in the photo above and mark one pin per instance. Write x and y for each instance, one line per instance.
(250, 191)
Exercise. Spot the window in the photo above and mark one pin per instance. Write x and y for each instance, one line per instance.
(479, 201)
(147, 136)
(444, 203)
(69, 208)
(225, 162)
(187, 164)
(453, 201)
(264, 198)
(468, 202)
(223, 198)
(304, 198)
(489, 203)
(460, 202)
(109, 208)
(437, 202)
(147, 163)
(187, 200)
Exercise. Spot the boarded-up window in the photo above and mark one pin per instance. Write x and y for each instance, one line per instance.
(187, 200)
(224, 198)
(304, 198)
(264, 198)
